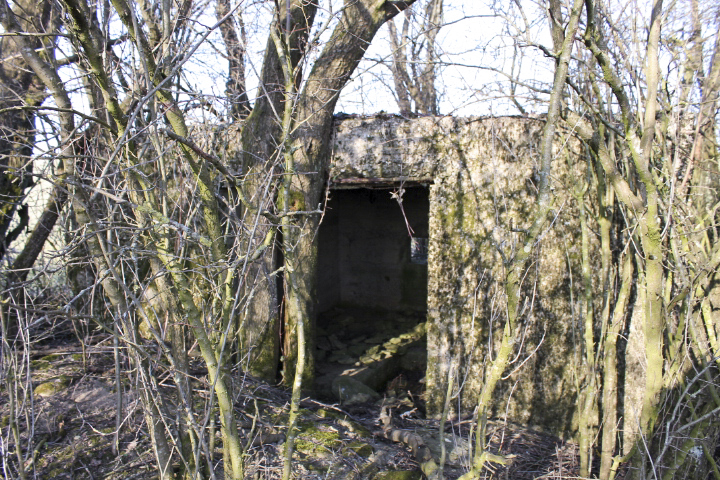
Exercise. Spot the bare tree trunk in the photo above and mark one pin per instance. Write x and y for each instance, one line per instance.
(235, 46)
(588, 386)
(428, 103)
(21, 93)
(704, 156)
(401, 79)
(414, 77)
(610, 371)
(260, 325)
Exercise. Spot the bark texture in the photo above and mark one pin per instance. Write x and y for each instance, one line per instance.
(21, 92)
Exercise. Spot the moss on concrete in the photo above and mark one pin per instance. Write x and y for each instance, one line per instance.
(484, 173)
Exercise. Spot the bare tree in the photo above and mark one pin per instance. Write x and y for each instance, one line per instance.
(415, 59)
(200, 235)
(178, 262)
(235, 39)
(640, 145)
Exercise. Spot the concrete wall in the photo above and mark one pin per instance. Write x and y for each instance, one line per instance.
(483, 172)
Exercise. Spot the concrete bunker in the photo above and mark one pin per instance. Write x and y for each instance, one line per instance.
(481, 173)
(481, 177)
(372, 288)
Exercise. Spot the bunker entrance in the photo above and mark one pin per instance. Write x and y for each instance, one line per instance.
(372, 293)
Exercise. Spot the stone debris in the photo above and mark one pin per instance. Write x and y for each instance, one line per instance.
(52, 386)
(352, 392)
(336, 344)
(370, 349)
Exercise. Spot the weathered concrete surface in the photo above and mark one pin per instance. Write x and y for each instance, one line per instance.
(483, 190)
(385, 147)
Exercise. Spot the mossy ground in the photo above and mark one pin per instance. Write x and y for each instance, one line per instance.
(74, 429)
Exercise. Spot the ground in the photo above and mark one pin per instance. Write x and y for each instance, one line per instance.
(71, 414)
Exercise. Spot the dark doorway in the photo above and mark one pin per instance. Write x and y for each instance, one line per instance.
(372, 285)
(365, 250)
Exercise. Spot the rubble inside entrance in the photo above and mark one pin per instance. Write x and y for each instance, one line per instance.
(372, 292)
(361, 354)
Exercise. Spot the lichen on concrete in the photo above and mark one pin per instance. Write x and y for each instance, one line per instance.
(483, 173)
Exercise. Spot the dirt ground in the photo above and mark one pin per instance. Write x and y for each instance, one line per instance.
(68, 418)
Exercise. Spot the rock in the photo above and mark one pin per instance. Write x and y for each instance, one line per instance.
(317, 442)
(399, 475)
(40, 365)
(336, 344)
(378, 373)
(325, 413)
(457, 449)
(414, 360)
(346, 360)
(367, 359)
(95, 397)
(341, 357)
(52, 386)
(323, 343)
(351, 392)
(355, 428)
(356, 350)
(361, 448)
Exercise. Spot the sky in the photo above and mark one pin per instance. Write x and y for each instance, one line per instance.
(476, 41)
(472, 40)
